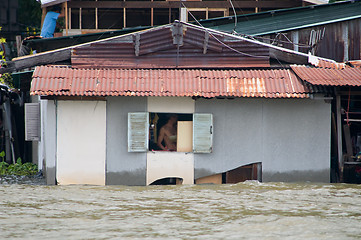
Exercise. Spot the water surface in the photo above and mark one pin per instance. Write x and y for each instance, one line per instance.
(249, 210)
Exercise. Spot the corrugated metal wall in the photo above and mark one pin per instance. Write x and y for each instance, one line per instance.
(338, 41)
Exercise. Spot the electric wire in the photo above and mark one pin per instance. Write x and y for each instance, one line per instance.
(227, 46)
(235, 18)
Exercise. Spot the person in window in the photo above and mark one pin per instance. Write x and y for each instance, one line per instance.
(168, 135)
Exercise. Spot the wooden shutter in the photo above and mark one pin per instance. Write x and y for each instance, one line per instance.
(202, 132)
(138, 130)
(32, 122)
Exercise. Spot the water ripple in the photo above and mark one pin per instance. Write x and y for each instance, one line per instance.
(249, 210)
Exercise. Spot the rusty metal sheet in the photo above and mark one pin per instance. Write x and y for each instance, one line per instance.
(329, 76)
(157, 48)
(68, 81)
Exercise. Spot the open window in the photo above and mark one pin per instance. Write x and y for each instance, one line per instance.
(170, 132)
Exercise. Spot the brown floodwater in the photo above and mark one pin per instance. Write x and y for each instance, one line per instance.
(249, 210)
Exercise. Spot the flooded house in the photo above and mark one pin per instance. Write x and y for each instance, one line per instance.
(182, 104)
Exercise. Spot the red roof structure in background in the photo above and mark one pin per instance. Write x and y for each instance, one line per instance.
(347, 76)
(69, 81)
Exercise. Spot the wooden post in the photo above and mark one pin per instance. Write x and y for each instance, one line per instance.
(43, 15)
(151, 16)
(18, 44)
(170, 15)
(124, 17)
(207, 13)
(339, 135)
(80, 18)
(96, 17)
(69, 18)
(66, 18)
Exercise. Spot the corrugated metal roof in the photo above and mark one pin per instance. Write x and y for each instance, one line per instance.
(67, 81)
(157, 48)
(329, 76)
(325, 63)
(287, 19)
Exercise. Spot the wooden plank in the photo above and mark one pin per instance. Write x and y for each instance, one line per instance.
(66, 18)
(212, 179)
(36, 60)
(354, 120)
(288, 56)
(348, 140)
(18, 44)
(184, 136)
(339, 135)
(188, 4)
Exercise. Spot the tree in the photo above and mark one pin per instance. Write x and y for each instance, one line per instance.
(29, 15)
(6, 77)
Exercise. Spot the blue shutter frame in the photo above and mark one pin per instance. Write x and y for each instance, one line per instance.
(138, 131)
(202, 132)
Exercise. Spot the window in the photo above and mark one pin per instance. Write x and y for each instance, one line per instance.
(170, 132)
(32, 122)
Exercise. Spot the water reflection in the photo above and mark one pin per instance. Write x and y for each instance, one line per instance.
(249, 210)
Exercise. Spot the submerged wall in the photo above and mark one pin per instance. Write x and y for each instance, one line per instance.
(122, 167)
(291, 137)
(81, 142)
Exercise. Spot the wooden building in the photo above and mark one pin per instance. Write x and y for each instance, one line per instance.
(101, 15)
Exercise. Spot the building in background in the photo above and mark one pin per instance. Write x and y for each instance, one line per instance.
(101, 15)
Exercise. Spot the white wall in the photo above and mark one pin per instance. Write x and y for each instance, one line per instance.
(170, 164)
(48, 140)
(81, 142)
(171, 104)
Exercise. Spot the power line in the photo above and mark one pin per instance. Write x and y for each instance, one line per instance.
(227, 46)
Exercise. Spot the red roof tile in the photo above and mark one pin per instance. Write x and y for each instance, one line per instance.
(68, 81)
(328, 76)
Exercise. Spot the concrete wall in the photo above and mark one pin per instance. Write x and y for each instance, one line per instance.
(123, 168)
(49, 140)
(81, 142)
(170, 164)
(291, 137)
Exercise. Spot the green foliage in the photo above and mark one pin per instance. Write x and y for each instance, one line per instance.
(18, 169)
(29, 14)
(2, 155)
(5, 78)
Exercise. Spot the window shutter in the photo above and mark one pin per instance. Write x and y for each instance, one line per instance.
(32, 122)
(202, 132)
(138, 130)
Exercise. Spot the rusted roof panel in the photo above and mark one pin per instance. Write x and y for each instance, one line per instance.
(68, 81)
(158, 48)
(328, 64)
(329, 76)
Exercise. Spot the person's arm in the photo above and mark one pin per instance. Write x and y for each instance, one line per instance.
(161, 138)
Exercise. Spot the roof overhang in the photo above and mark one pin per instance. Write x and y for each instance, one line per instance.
(47, 3)
(317, 1)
